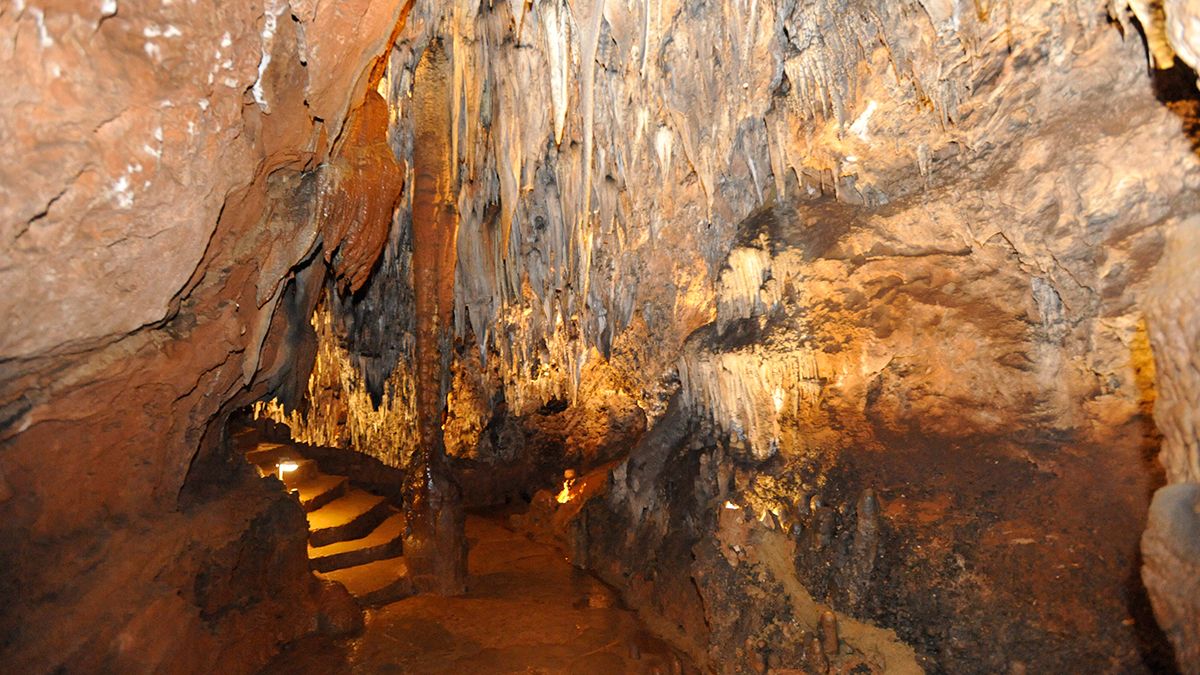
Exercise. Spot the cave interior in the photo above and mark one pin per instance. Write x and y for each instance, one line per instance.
(697, 336)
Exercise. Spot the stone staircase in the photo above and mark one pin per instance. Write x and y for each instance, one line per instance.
(354, 537)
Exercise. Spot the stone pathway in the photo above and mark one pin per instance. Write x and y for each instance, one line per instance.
(526, 611)
(354, 537)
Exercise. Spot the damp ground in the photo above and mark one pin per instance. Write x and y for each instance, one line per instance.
(527, 610)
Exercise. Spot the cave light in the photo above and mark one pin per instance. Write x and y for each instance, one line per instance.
(565, 496)
(568, 480)
(286, 466)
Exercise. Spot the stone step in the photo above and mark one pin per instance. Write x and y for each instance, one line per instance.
(321, 489)
(265, 448)
(244, 438)
(375, 583)
(295, 471)
(350, 517)
(267, 457)
(271, 453)
(385, 541)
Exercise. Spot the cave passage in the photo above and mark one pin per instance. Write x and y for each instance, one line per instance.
(523, 606)
(824, 337)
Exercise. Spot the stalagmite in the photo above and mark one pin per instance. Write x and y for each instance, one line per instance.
(866, 534)
(818, 660)
(829, 632)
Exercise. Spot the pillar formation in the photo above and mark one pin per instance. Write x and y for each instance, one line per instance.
(435, 544)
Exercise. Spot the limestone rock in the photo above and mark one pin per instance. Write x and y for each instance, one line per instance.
(941, 252)
(157, 239)
(1171, 549)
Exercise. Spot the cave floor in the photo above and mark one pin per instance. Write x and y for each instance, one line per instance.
(526, 610)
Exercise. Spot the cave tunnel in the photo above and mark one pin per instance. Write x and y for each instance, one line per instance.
(382, 336)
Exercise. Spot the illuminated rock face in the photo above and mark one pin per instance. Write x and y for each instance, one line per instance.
(1169, 545)
(359, 188)
(914, 274)
(898, 248)
(158, 197)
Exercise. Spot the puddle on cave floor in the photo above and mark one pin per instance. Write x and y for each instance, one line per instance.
(527, 610)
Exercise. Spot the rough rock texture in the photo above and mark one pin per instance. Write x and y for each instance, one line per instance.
(358, 190)
(158, 198)
(664, 511)
(1169, 543)
(928, 252)
(1172, 547)
(916, 271)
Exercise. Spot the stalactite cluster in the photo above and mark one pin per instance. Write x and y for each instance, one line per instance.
(341, 411)
(834, 229)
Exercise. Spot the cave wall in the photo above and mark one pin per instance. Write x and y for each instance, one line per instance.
(166, 173)
(933, 250)
(919, 117)
(1169, 546)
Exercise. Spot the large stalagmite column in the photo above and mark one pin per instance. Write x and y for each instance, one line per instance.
(435, 545)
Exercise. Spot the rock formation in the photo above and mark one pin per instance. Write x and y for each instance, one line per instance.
(160, 192)
(863, 324)
(436, 546)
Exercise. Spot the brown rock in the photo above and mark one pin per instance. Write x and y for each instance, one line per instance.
(338, 614)
(818, 661)
(147, 248)
(829, 633)
(358, 191)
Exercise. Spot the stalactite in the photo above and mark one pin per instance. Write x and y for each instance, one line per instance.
(555, 260)
(557, 34)
(557, 226)
(743, 291)
(748, 392)
(590, 39)
(358, 192)
(559, 248)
